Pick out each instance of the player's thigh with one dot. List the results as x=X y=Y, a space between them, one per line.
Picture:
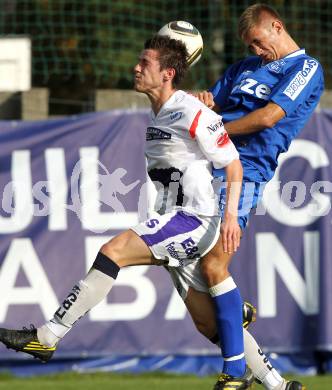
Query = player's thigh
x=202 y=311
x=128 y=248
x=191 y=286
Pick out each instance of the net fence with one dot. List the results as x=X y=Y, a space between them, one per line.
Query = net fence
x=95 y=43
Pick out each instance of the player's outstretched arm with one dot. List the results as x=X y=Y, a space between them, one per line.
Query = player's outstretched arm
x=257 y=120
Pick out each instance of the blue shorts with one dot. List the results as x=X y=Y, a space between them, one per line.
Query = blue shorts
x=251 y=194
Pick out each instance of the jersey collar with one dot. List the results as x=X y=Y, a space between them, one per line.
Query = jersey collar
x=177 y=95
x=296 y=53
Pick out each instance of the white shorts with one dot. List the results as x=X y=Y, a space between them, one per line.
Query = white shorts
x=179 y=237
x=188 y=276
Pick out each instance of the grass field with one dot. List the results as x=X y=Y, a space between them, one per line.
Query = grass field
x=132 y=382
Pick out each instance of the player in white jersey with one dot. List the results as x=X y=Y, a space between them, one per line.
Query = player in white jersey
x=181 y=141
x=184 y=230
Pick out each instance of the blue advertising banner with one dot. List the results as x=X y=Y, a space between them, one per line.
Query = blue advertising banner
x=70 y=184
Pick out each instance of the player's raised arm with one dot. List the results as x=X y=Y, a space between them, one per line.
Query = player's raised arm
x=257 y=120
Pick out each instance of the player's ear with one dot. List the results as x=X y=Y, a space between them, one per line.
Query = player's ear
x=278 y=25
x=169 y=74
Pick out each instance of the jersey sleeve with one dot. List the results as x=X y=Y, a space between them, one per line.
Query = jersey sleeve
x=208 y=130
x=300 y=84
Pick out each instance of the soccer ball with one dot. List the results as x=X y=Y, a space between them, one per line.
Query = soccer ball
x=189 y=35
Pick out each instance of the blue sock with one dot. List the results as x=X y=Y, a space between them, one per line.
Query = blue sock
x=228 y=304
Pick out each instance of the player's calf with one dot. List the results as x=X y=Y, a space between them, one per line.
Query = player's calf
x=248 y=317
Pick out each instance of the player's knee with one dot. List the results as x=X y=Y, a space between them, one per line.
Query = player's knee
x=113 y=249
x=214 y=271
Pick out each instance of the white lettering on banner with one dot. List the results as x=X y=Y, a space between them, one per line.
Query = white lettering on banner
x=53 y=206
x=41 y=209
x=57 y=187
x=51 y=195
x=131 y=277
x=320 y=204
x=272 y=258
x=298 y=188
x=17 y=195
x=21 y=255
x=176 y=309
x=92 y=218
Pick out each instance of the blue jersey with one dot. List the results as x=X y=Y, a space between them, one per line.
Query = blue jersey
x=294 y=82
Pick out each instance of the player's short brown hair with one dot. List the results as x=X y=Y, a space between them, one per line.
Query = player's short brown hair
x=172 y=54
x=253 y=15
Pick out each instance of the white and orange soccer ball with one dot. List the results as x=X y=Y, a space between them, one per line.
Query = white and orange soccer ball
x=189 y=35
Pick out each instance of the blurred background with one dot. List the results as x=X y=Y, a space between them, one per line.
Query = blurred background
x=66 y=102
x=79 y=47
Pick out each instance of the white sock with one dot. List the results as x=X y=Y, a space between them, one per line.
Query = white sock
x=46 y=336
x=273 y=380
x=259 y=364
x=83 y=297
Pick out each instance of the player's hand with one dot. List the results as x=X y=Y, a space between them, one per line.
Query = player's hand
x=230 y=234
x=205 y=97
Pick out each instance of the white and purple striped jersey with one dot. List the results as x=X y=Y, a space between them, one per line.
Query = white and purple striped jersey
x=182 y=141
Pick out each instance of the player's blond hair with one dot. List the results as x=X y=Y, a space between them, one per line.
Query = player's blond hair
x=253 y=15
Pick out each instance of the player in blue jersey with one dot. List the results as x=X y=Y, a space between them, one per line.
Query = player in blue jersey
x=264 y=100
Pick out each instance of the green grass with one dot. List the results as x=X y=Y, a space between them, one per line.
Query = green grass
x=135 y=382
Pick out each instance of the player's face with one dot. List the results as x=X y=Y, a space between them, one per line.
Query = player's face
x=264 y=41
x=148 y=75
